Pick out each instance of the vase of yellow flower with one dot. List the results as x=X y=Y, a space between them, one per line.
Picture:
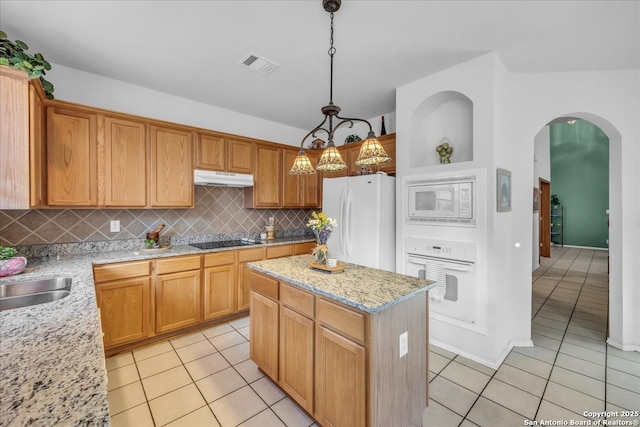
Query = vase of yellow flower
x=322 y=226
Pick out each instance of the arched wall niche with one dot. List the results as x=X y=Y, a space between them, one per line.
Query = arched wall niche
x=447 y=114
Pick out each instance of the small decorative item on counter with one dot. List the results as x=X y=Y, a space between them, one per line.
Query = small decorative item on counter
x=155 y=235
x=444 y=150
x=352 y=138
x=149 y=243
x=10 y=264
x=322 y=226
x=270 y=228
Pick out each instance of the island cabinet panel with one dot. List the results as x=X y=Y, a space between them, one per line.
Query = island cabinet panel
x=171 y=167
x=71 y=158
x=211 y=152
x=263 y=343
x=244 y=274
x=296 y=357
x=125 y=158
x=346 y=321
x=341 y=389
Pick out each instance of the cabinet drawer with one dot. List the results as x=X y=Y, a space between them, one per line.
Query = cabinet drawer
x=303 y=248
x=279 y=251
x=264 y=285
x=254 y=254
x=341 y=319
x=297 y=299
x=173 y=265
x=222 y=258
x=109 y=272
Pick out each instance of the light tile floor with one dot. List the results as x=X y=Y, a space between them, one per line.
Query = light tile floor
x=206 y=378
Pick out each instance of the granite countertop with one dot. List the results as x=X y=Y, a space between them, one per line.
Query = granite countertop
x=52 y=366
x=368 y=289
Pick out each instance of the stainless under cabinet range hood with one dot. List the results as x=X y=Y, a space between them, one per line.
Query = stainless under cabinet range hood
x=222 y=179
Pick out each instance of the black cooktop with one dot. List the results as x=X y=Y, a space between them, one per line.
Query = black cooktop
x=224 y=244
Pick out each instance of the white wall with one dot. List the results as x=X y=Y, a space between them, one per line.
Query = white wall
x=96 y=91
x=611 y=101
x=509 y=111
x=541 y=169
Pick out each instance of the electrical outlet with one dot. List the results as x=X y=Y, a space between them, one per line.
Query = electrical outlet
x=404 y=343
x=114 y=226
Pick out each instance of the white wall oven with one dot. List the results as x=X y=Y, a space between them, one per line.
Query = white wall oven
x=453 y=266
x=445 y=200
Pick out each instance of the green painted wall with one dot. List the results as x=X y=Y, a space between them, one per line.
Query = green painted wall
x=580 y=178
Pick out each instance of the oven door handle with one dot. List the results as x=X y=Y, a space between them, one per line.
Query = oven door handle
x=447 y=265
x=462 y=269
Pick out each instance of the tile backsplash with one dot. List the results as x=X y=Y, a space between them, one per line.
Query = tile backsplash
x=218 y=210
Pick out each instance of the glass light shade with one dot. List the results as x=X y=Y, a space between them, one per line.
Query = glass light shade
x=302 y=165
x=372 y=153
x=331 y=160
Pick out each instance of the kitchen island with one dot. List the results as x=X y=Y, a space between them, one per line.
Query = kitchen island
x=52 y=366
x=350 y=348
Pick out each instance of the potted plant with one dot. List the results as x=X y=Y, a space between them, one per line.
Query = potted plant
x=11 y=264
x=15 y=55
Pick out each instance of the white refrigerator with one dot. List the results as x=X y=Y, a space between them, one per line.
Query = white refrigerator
x=364 y=207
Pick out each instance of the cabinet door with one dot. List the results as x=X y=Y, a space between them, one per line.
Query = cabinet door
x=219 y=291
x=125 y=158
x=177 y=300
x=171 y=167
x=267 y=176
x=340 y=380
x=240 y=155
x=292 y=185
x=124 y=310
x=296 y=357
x=263 y=343
x=244 y=274
x=37 y=152
x=312 y=184
x=211 y=152
x=71 y=158
x=388 y=142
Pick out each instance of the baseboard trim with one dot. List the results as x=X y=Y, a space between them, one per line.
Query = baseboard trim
x=623 y=347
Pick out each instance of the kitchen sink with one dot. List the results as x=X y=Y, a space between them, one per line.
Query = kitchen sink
x=32 y=292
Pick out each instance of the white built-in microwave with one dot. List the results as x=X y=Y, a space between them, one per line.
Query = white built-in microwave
x=441 y=201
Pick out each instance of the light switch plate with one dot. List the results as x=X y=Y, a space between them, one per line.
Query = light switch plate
x=114 y=226
x=404 y=343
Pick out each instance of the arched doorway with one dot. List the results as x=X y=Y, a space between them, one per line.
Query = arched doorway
x=616 y=308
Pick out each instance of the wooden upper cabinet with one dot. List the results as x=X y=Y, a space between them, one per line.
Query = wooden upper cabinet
x=71 y=158
x=171 y=167
x=312 y=183
x=265 y=192
x=21 y=143
x=37 y=151
x=292 y=185
x=388 y=142
x=240 y=153
x=211 y=152
x=125 y=159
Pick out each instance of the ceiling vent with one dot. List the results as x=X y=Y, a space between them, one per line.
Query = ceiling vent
x=258 y=63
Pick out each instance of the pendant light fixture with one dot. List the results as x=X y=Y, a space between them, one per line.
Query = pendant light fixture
x=371 y=151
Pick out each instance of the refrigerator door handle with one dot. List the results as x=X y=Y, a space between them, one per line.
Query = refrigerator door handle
x=348 y=223
x=341 y=220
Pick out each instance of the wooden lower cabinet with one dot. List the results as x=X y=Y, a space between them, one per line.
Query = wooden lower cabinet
x=244 y=274
x=177 y=300
x=264 y=333
x=220 y=290
x=296 y=357
x=123 y=294
x=340 y=380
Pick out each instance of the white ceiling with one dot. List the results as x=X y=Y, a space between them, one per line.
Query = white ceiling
x=192 y=48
